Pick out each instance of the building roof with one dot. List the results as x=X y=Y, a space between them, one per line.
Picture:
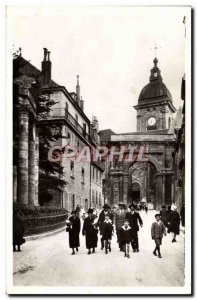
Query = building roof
x=25 y=67
x=152 y=132
x=155 y=89
x=30 y=70
x=142 y=137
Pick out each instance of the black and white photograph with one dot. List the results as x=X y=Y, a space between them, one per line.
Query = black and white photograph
x=99 y=187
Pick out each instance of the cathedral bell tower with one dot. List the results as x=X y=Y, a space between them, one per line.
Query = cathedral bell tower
x=155 y=108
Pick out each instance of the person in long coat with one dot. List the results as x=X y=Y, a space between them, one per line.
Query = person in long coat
x=174 y=223
x=104 y=212
x=119 y=218
x=90 y=231
x=18 y=232
x=73 y=228
x=164 y=215
x=183 y=215
x=157 y=231
x=134 y=218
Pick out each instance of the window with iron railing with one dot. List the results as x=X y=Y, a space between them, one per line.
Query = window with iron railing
x=63 y=113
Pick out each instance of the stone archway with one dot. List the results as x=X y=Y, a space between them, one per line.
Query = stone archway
x=144 y=174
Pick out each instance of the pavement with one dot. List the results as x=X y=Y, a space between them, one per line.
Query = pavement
x=48 y=262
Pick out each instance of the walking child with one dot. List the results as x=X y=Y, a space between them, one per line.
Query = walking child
x=157 y=232
x=126 y=236
x=104 y=212
x=107 y=229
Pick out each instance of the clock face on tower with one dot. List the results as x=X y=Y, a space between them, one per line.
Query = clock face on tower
x=151 y=121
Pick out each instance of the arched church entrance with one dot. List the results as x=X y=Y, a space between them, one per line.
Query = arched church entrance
x=142 y=183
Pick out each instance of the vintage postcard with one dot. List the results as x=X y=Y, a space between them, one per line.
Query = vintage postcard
x=99 y=109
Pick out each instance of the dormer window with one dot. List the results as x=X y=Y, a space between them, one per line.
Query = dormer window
x=155 y=74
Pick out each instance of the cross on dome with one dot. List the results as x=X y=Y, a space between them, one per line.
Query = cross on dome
x=156 y=48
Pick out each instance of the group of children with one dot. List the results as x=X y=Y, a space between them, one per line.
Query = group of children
x=90 y=231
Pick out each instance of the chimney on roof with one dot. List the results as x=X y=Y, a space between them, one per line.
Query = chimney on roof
x=78 y=90
x=82 y=104
x=46 y=69
x=95 y=123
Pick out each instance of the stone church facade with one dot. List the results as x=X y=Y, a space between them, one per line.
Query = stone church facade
x=152 y=178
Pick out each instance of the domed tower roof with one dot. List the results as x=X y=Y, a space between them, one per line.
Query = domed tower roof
x=155 y=89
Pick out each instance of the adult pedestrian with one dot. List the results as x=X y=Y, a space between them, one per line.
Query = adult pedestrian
x=78 y=210
x=169 y=210
x=90 y=231
x=119 y=218
x=18 y=231
x=104 y=212
x=73 y=228
x=134 y=222
x=174 y=223
x=164 y=215
x=183 y=215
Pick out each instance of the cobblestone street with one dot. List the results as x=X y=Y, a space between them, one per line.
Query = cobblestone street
x=48 y=262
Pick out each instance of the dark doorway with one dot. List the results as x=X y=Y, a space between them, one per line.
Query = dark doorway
x=135 y=193
x=136 y=196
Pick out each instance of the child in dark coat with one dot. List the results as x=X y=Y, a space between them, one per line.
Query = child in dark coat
x=157 y=231
x=126 y=236
x=73 y=228
x=107 y=229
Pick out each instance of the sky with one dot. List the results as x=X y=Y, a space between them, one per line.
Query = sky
x=110 y=48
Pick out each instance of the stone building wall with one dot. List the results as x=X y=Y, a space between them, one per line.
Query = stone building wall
x=96 y=187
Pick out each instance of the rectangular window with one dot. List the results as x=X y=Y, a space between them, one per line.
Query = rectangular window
x=84 y=129
x=83 y=175
x=76 y=119
x=66 y=110
x=72 y=166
